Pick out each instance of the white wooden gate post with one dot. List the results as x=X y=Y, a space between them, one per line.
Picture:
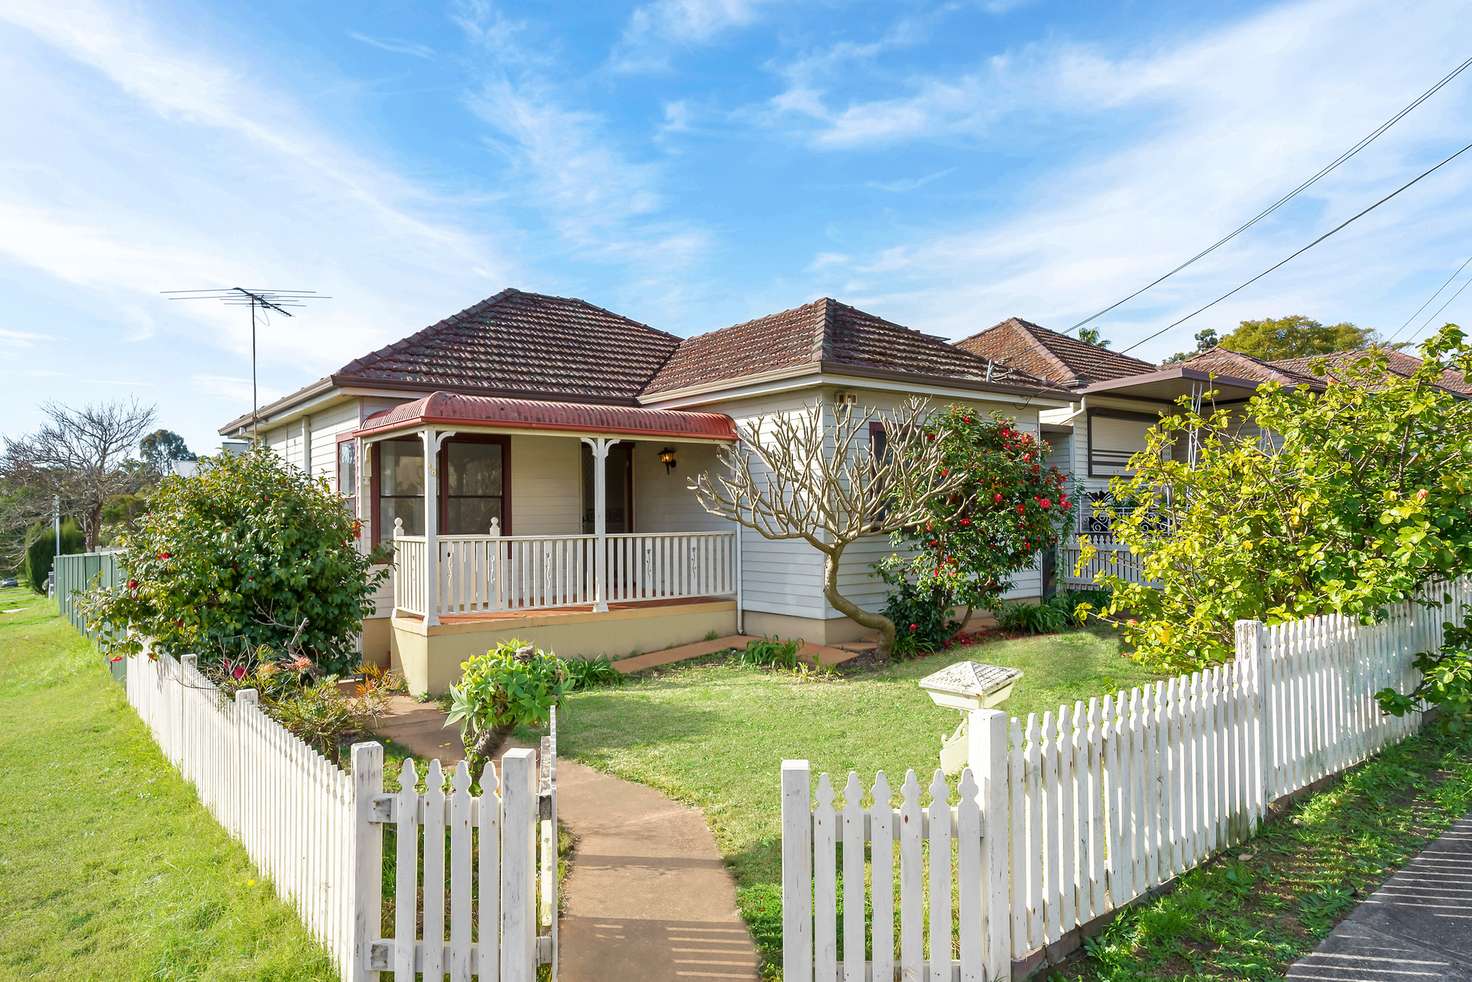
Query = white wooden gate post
x=797 y=872
x=367 y=853
x=1252 y=651
x=599 y=446
x=518 y=866
x=986 y=755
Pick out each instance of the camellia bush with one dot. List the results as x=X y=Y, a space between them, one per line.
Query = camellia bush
x=249 y=555
x=1009 y=507
x=1343 y=501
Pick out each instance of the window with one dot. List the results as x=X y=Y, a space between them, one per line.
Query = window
x=400 y=487
x=347 y=475
x=473 y=485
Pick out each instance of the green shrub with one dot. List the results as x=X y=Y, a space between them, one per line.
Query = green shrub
x=249 y=553
x=1076 y=605
x=591 y=673
x=771 y=653
x=1445 y=682
x=509 y=686
x=921 y=615
x=41 y=550
x=1028 y=618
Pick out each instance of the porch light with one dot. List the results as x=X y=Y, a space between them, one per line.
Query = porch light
x=667 y=458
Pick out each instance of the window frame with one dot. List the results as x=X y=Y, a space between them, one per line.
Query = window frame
x=381 y=535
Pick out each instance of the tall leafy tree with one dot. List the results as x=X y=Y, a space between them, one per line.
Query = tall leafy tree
x=1295 y=336
x=1092 y=335
x=1205 y=340
x=161 y=448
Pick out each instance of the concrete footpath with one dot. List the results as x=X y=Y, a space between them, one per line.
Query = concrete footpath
x=648 y=897
x=1416 y=928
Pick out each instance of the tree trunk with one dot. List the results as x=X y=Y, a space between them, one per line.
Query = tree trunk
x=92 y=528
x=851 y=610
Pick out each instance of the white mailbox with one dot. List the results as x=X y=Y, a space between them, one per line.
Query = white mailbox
x=967 y=686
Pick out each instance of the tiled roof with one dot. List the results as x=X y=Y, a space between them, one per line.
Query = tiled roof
x=829 y=336
x=454 y=407
x=1060 y=359
x=1398 y=362
x=1234 y=364
x=517 y=343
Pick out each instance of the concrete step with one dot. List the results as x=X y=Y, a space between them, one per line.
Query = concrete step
x=680 y=652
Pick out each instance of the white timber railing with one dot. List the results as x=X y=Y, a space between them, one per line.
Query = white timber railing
x=524 y=572
x=318 y=833
x=1108 y=558
x=671 y=565
x=1096 y=804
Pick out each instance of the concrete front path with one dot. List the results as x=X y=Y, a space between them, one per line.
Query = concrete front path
x=1416 y=928
x=648 y=898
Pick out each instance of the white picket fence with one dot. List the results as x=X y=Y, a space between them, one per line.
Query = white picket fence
x=318 y=834
x=1108 y=558
x=1092 y=806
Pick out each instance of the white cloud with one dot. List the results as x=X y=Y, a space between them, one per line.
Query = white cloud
x=395 y=46
x=657 y=27
x=11 y=338
x=213 y=176
x=1223 y=140
x=903 y=185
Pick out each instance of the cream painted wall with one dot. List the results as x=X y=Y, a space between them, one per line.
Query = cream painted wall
x=546 y=485
x=662 y=502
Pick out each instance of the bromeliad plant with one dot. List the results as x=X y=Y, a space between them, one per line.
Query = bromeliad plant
x=1008 y=507
x=510 y=686
x=249 y=553
x=1342 y=501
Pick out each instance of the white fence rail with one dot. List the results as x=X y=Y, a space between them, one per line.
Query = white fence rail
x=1100 y=802
x=518 y=572
x=318 y=834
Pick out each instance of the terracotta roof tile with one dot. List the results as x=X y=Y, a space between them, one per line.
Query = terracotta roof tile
x=519 y=343
x=1398 y=362
x=1056 y=357
x=830 y=336
x=1234 y=364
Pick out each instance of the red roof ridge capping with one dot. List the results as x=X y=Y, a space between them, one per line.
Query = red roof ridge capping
x=451 y=408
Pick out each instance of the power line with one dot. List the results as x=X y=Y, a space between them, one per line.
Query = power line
x=1346 y=155
x=1444 y=306
x=1428 y=302
x=1283 y=262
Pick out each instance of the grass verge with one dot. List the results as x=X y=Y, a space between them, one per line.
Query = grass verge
x=1252 y=912
x=714 y=734
x=109 y=866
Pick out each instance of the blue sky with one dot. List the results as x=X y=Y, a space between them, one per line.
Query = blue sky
x=692 y=163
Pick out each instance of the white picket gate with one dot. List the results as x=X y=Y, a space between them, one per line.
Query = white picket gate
x=1094 y=805
x=318 y=834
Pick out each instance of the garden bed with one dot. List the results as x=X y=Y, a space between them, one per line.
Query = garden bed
x=714 y=733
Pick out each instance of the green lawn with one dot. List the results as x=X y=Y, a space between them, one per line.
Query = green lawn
x=714 y=735
x=109 y=866
x=1251 y=913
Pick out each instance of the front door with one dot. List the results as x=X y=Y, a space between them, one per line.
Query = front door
x=619 y=504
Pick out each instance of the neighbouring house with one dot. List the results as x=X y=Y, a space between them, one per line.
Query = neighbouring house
x=1115 y=399
x=527 y=460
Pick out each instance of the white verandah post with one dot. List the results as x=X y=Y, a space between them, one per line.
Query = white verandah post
x=599 y=446
x=432 y=442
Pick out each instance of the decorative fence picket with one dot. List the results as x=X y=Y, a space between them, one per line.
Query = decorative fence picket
x=1100 y=802
x=318 y=833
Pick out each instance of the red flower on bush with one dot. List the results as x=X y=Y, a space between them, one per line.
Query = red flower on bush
x=132 y=584
x=997 y=497
x=1045 y=503
x=238 y=672
x=1020 y=508
x=914 y=627
x=164 y=555
x=965 y=521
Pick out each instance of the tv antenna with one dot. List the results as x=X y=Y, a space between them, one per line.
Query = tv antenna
x=255 y=299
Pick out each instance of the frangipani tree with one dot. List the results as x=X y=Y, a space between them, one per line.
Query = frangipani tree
x=829 y=475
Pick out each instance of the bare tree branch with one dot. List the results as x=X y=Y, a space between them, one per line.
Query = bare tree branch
x=813 y=475
x=80 y=455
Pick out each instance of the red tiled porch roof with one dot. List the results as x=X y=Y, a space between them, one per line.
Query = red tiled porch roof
x=451 y=408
